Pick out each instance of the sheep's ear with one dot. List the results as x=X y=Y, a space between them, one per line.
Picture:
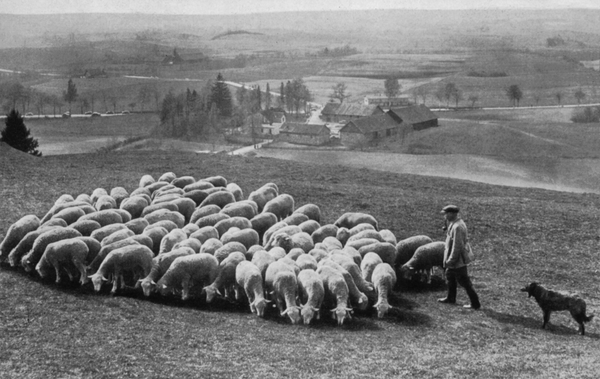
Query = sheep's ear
x=267 y=301
x=153 y=282
x=284 y=312
x=315 y=309
x=90 y=276
x=103 y=278
x=218 y=292
x=164 y=286
x=360 y=301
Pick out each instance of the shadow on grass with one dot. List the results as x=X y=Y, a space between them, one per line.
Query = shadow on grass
x=417 y=286
x=534 y=323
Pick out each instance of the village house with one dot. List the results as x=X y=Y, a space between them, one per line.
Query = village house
x=341 y=113
x=304 y=134
x=94 y=73
x=368 y=129
x=386 y=102
x=272 y=121
x=419 y=117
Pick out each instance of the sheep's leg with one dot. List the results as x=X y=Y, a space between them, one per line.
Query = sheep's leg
x=82 y=271
x=185 y=288
x=429 y=273
x=57 y=271
x=115 y=281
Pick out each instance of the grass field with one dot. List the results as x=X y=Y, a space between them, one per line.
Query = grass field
x=521 y=235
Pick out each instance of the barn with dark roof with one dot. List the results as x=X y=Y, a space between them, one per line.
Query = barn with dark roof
x=418 y=116
x=368 y=129
x=304 y=134
x=335 y=112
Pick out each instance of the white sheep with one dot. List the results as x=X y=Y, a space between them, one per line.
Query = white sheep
x=237 y=192
x=190 y=228
x=368 y=264
x=166 y=224
x=268 y=234
x=237 y=222
x=104 y=217
x=211 y=220
x=204 y=211
x=16 y=232
x=306 y=261
x=367 y=233
x=356 y=296
x=105 y=202
x=281 y=283
x=132 y=258
x=85 y=227
x=262 y=259
x=70 y=215
x=247 y=237
x=351 y=219
x=135 y=205
x=137 y=225
x=277 y=253
x=336 y=292
x=197 y=196
x=64 y=255
x=311 y=210
x=141 y=191
x=164 y=214
x=105 y=231
x=263 y=195
x=331 y=244
x=186 y=207
x=357 y=244
x=192 y=243
x=160 y=265
x=297 y=240
x=183 y=181
x=152 y=187
x=318 y=254
x=199 y=185
x=205 y=233
x=93 y=248
x=25 y=245
x=229 y=248
x=105 y=250
x=295 y=253
x=425 y=259
x=55 y=222
x=384 y=279
x=262 y=222
x=225 y=281
x=57 y=207
x=117 y=236
x=385 y=250
x=312 y=293
x=84 y=197
x=405 y=249
x=295 y=219
x=155 y=207
x=146 y=180
x=388 y=236
x=324 y=231
x=31 y=259
x=309 y=226
x=187 y=272
x=217 y=181
x=156 y=234
x=219 y=198
x=167 y=177
x=249 y=278
x=171 y=239
x=211 y=245
x=281 y=206
x=350 y=265
x=240 y=209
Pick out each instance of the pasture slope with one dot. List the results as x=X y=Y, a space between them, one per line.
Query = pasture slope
x=520 y=235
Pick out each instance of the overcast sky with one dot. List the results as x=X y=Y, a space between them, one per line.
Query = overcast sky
x=254 y=6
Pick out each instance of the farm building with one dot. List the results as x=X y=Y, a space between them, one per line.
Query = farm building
x=273 y=116
x=368 y=129
x=94 y=73
x=334 y=112
x=304 y=134
x=387 y=102
x=419 y=116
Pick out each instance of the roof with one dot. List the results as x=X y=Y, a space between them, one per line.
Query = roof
x=370 y=124
x=330 y=108
x=305 y=129
x=384 y=97
x=354 y=109
x=414 y=114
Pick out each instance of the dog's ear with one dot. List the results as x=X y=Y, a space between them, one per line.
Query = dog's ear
x=532 y=287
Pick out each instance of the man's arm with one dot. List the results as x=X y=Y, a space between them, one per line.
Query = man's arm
x=459 y=237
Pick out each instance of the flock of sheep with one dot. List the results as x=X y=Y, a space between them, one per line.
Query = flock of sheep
x=176 y=234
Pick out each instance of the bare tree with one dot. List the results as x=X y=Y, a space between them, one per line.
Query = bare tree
x=392 y=87
x=339 y=92
x=579 y=95
x=473 y=99
x=514 y=94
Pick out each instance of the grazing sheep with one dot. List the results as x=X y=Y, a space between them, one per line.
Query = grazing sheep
x=360 y=228
x=105 y=202
x=388 y=236
x=146 y=180
x=262 y=222
x=323 y=232
x=154 y=207
x=132 y=258
x=156 y=186
x=211 y=220
x=237 y=192
x=332 y=243
x=281 y=206
x=167 y=177
x=137 y=225
x=97 y=193
x=135 y=205
x=84 y=197
x=224 y=283
x=70 y=215
x=167 y=198
x=189 y=229
x=65 y=254
x=237 y=222
x=171 y=239
x=374 y=234
x=197 y=196
x=106 y=249
x=220 y=198
x=384 y=279
x=406 y=248
x=141 y=191
x=125 y=216
x=349 y=265
x=385 y=250
x=192 y=243
x=186 y=207
x=342 y=235
x=295 y=253
x=352 y=253
x=356 y=296
x=201 y=212
x=252 y=250
x=183 y=181
x=156 y=234
x=263 y=195
x=227 y=249
x=309 y=226
x=164 y=214
x=25 y=245
x=166 y=224
x=425 y=259
x=187 y=272
x=117 y=236
x=368 y=264
x=351 y=219
x=277 y=253
x=281 y=282
x=199 y=185
x=160 y=265
x=268 y=234
x=217 y=181
x=86 y=207
x=357 y=244
x=318 y=254
x=105 y=231
x=262 y=259
x=31 y=259
x=93 y=248
x=312 y=211
x=85 y=227
x=336 y=292
x=240 y=209
x=205 y=233
x=306 y=261
x=247 y=237
x=248 y=277
x=298 y=240
x=312 y=293
x=104 y=217
x=166 y=192
x=55 y=222
x=295 y=219
x=16 y=232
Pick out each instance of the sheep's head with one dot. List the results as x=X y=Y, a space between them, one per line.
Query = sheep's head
x=43 y=270
x=293 y=313
x=284 y=241
x=407 y=272
x=163 y=289
x=258 y=306
x=363 y=302
x=148 y=286
x=382 y=308
x=26 y=263
x=343 y=234
x=211 y=292
x=340 y=313
x=97 y=280
x=308 y=313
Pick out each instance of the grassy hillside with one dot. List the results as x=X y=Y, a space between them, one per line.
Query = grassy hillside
x=520 y=235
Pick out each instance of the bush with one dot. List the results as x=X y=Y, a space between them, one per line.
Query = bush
x=586 y=115
x=17 y=135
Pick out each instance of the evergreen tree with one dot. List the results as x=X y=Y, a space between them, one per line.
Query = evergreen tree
x=70 y=95
x=221 y=96
x=17 y=135
x=268 y=97
x=281 y=95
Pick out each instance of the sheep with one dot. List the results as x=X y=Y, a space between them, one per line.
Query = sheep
x=135 y=205
x=211 y=220
x=217 y=181
x=249 y=278
x=238 y=222
x=262 y=222
x=349 y=265
x=384 y=279
x=295 y=253
x=84 y=197
x=85 y=227
x=301 y=240
x=318 y=254
x=156 y=234
x=25 y=245
x=309 y=226
x=31 y=259
x=105 y=231
x=141 y=191
x=189 y=229
x=312 y=211
x=125 y=216
x=281 y=206
x=186 y=207
x=332 y=243
x=187 y=271
x=197 y=196
x=385 y=250
x=153 y=187
x=166 y=224
x=368 y=264
x=352 y=253
x=252 y=250
x=351 y=219
x=165 y=190
x=295 y=219
x=342 y=235
x=306 y=261
x=201 y=212
x=228 y=248
x=263 y=195
x=86 y=207
x=132 y=258
x=205 y=233
x=93 y=248
x=55 y=222
x=336 y=292
x=425 y=259
x=183 y=181
x=96 y=193
x=405 y=249
x=137 y=225
x=154 y=207
x=16 y=232
x=388 y=236
x=105 y=250
x=105 y=202
x=64 y=254
x=360 y=228
x=192 y=243
x=104 y=217
x=273 y=229
x=167 y=198
x=324 y=231
x=357 y=244
x=164 y=214
x=198 y=185
x=356 y=296
x=277 y=253
x=240 y=209
x=220 y=198
x=116 y=236
x=70 y=215
x=365 y=234
x=247 y=237
x=237 y=192
x=171 y=239
x=211 y=245
x=167 y=177
x=312 y=293
x=262 y=260
x=225 y=280
x=160 y=265
x=288 y=230
x=146 y=180
x=281 y=282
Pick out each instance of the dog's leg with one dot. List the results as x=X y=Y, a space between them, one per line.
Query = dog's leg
x=546 y=318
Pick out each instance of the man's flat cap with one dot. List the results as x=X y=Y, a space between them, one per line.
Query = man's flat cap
x=450 y=209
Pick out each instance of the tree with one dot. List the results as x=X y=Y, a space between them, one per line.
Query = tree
x=473 y=99
x=144 y=95
x=579 y=95
x=70 y=95
x=281 y=95
x=450 y=91
x=268 y=97
x=221 y=96
x=558 y=96
x=17 y=135
x=514 y=94
x=339 y=92
x=14 y=92
x=392 y=87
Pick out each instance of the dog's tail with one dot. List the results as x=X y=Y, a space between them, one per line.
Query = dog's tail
x=588 y=318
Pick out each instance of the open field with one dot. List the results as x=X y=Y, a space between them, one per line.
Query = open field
x=521 y=235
